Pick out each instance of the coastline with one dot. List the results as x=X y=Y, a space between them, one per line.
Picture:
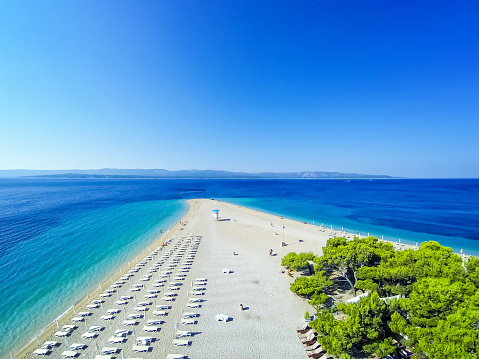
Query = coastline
x=256 y=279
x=64 y=318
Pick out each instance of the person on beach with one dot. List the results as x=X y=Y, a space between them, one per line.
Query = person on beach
x=241 y=307
x=270 y=252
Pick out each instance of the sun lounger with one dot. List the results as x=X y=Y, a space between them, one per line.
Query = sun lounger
x=130 y=322
x=140 y=348
x=143 y=304
x=168 y=299
x=307 y=338
x=175 y=356
x=104 y=357
x=49 y=344
x=69 y=328
x=109 y=350
x=61 y=334
x=69 y=354
x=93 y=306
x=144 y=340
x=135 y=289
x=190 y=315
x=107 y=317
x=116 y=340
x=195 y=300
x=141 y=309
x=163 y=307
x=188 y=321
x=183 y=333
x=193 y=305
x=201 y=279
x=96 y=328
x=41 y=351
x=154 y=322
x=89 y=335
x=121 y=302
x=315 y=346
x=303 y=329
x=113 y=311
x=151 y=328
x=84 y=314
x=181 y=342
x=121 y=333
x=77 y=346
x=135 y=316
x=222 y=318
x=105 y=295
x=315 y=355
x=159 y=313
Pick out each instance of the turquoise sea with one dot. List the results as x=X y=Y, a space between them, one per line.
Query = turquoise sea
x=60 y=238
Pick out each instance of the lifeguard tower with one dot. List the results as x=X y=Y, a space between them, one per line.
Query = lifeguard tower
x=216 y=214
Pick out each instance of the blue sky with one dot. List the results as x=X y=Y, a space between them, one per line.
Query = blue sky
x=377 y=87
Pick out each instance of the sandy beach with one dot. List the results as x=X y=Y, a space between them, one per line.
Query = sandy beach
x=201 y=247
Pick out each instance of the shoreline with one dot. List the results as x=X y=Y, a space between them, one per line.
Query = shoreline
x=62 y=319
x=248 y=234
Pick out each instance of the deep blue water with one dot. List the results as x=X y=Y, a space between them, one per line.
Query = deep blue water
x=60 y=238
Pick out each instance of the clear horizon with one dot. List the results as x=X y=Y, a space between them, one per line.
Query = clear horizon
x=352 y=87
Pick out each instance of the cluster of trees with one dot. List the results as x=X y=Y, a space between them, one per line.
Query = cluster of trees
x=437 y=313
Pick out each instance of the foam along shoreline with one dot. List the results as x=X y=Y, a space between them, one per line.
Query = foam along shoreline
x=233 y=258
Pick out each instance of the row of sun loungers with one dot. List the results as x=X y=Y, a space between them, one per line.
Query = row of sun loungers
x=309 y=339
x=142 y=344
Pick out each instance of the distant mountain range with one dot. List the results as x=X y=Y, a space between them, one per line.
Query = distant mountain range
x=183 y=174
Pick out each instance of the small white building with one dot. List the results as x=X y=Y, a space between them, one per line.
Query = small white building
x=216 y=214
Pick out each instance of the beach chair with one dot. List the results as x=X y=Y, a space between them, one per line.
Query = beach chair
x=181 y=342
x=78 y=319
x=135 y=316
x=130 y=322
x=113 y=311
x=306 y=334
x=188 y=321
x=183 y=333
x=121 y=333
x=140 y=348
x=315 y=346
x=107 y=317
x=190 y=315
x=109 y=350
x=96 y=328
x=303 y=329
x=159 y=313
x=104 y=357
x=154 y=322
x=61 y=334
x=316 y=353
x=149 y=328
x=69 y=354
x=175 y=356
x=222 y=318
x=41 y=351
x=89 y=335
x=163 y=307
x=77 y=346
x=116 y=340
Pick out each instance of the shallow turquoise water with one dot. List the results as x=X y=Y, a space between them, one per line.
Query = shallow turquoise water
x=46 y=274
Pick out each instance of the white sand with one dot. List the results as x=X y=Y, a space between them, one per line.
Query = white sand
x=265 y=329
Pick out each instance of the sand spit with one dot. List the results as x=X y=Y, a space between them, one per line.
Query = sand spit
x=233 y=255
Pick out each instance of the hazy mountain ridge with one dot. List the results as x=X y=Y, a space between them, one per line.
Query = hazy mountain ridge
x=162 y=173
